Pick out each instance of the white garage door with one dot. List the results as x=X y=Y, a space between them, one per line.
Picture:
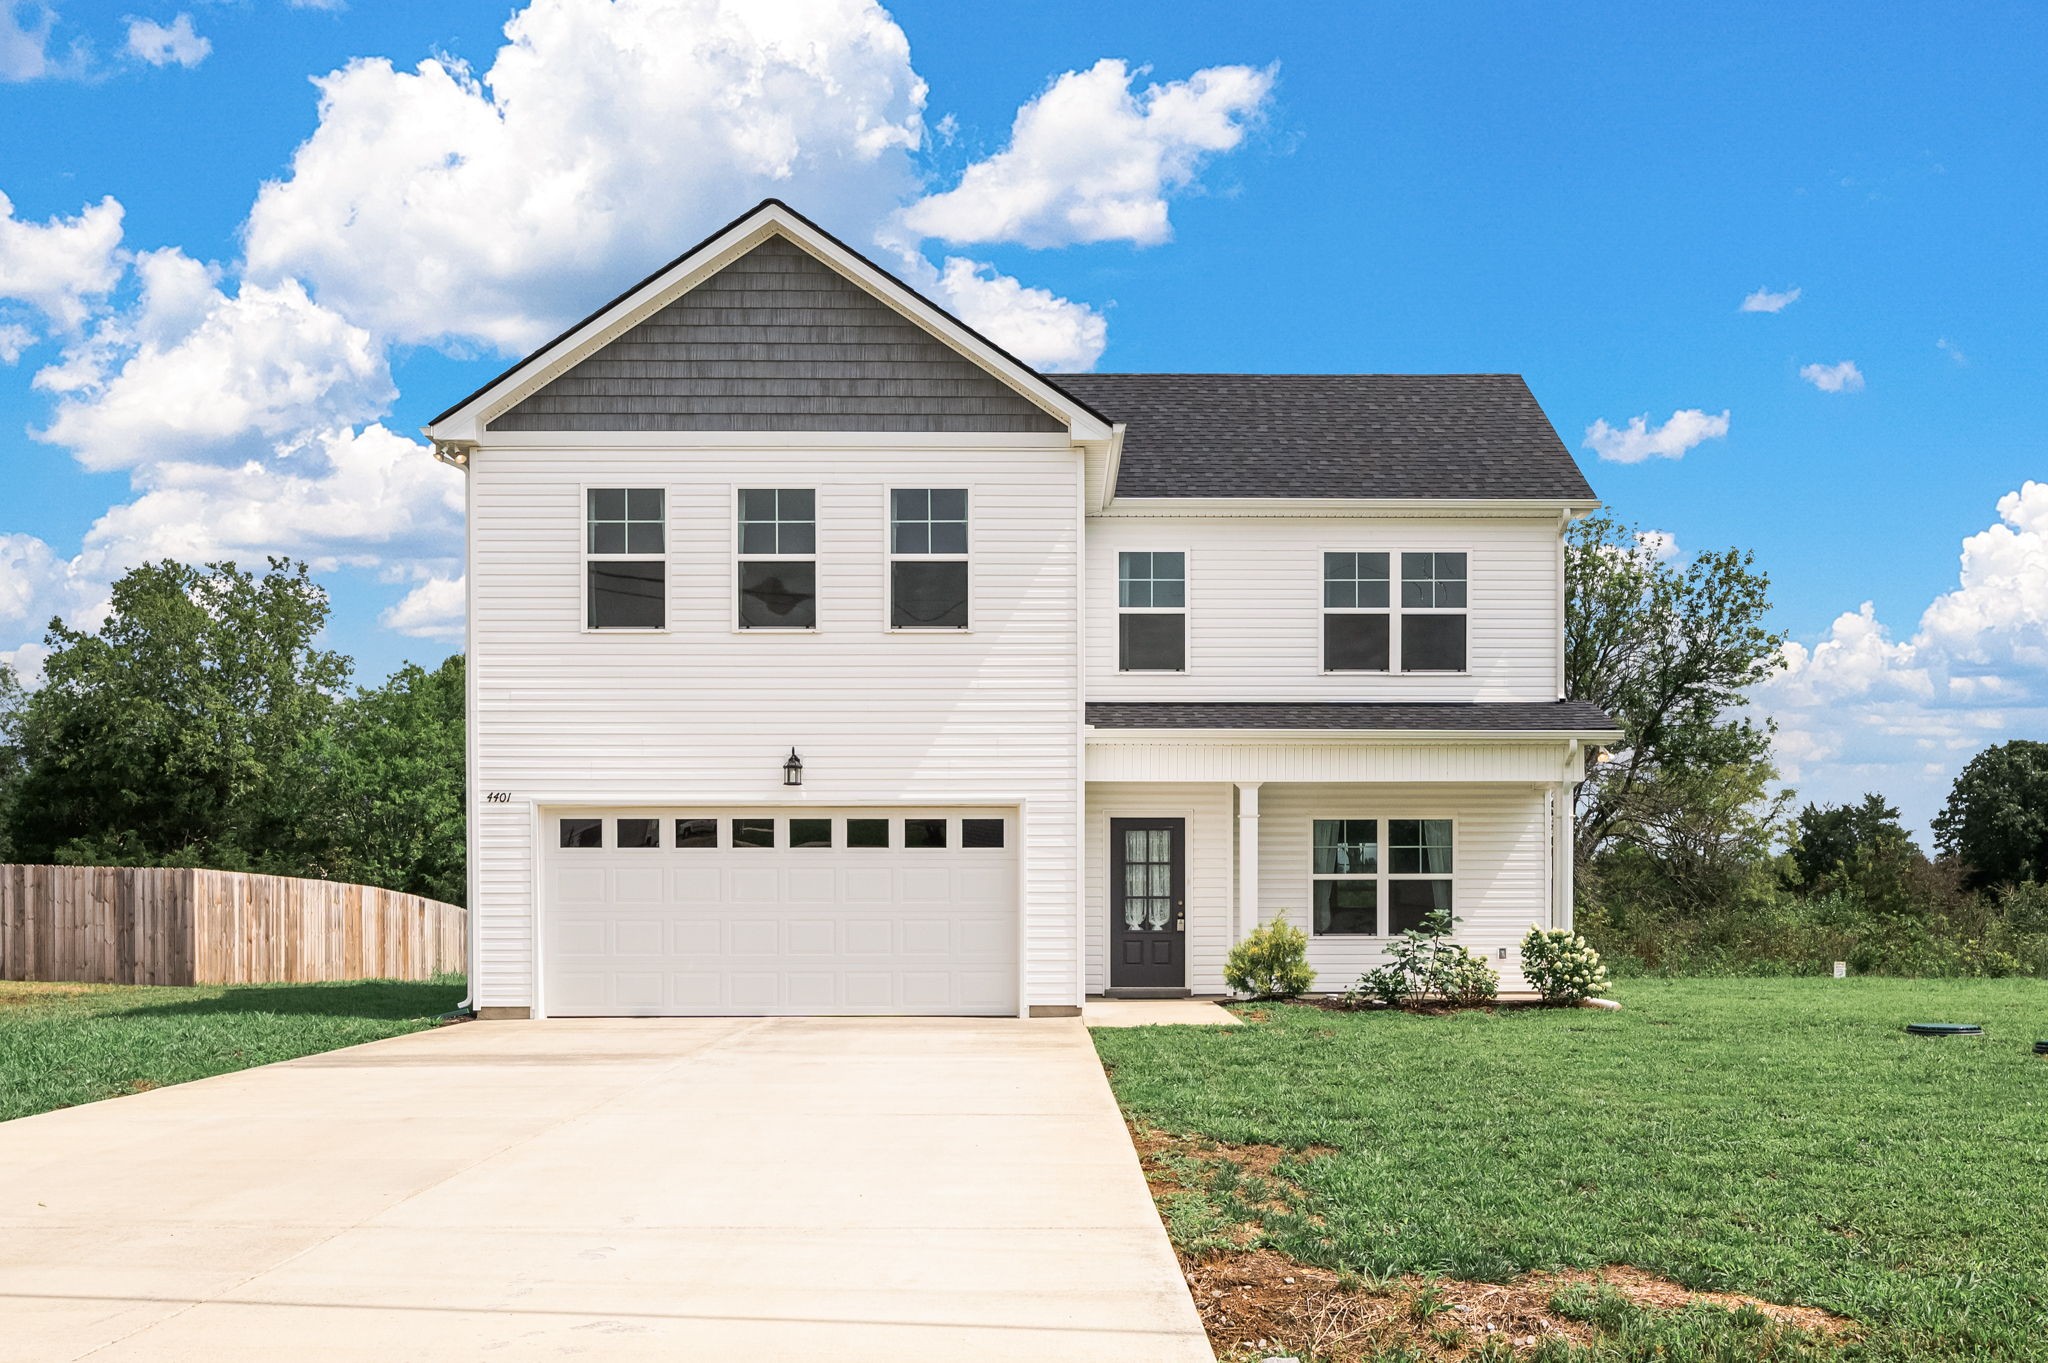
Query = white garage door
x=693 y=912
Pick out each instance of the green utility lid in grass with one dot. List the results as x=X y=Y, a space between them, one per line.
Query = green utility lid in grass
x=1944 y=1029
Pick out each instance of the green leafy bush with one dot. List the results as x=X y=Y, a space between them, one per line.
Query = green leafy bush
x=1561 y=967
x=1424 y=968
x=1270 y=963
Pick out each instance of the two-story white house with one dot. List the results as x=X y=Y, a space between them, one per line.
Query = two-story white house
x=824 y=658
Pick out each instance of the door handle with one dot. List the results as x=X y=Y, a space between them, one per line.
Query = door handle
x=1180 y=924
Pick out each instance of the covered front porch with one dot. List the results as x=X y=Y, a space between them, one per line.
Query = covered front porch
x=1352 y=834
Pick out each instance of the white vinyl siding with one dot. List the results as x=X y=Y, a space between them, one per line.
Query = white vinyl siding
x=704 y=714
x=1501 y=869
x=1258 y=632
x=1211 y=814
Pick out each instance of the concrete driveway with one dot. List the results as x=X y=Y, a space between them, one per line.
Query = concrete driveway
x=840 y=1190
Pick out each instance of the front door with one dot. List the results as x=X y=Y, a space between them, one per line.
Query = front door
x=1148 y=903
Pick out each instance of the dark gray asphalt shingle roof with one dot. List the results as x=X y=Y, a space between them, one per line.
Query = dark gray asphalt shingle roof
x=1546 y=716
x=1332 y=435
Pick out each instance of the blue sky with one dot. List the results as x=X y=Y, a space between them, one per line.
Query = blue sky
x=1584 y=194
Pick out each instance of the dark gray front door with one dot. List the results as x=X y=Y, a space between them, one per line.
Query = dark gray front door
x=1147 y=903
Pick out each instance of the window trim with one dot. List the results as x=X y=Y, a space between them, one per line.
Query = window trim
x=737 y=557
x=1382 y=876
x=890 y=556
x=668 y=503
x=1393 y=551
x=1185 y=610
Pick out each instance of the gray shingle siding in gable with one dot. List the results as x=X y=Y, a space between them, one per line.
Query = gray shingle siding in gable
x=1416 y=436
x=777 y=341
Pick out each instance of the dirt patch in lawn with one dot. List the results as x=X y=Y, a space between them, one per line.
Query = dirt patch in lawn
x=27 y=993
x=1258 y=1302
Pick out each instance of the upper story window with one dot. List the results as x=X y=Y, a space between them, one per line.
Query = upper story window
x=1357 y=619
x=625 y=558
x=778 y=558
x=928 y=566
x=1433 y=613
x=1152 y=612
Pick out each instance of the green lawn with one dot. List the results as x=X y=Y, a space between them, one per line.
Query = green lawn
x=62 y=1044
x=1781 y=1138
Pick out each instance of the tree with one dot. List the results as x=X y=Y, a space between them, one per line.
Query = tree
x=391 y=795
x=1996 y=819
x=1670 y=651
x=1829 y=839
x=177 y=733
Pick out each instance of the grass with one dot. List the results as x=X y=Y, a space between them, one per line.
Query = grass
x=62 y=1044
x=1778 y=1138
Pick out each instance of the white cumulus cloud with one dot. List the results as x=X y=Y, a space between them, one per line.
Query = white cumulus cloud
x=605 y=137
x=1862 y=708
x=1844 y=377
x=172 y=44
x=1766 y=300
x=14 y=339
x=1036 y=325
x=436 y=609
x=1092 y=159
x=26 y=28
x=256 y=370
x=1639 y=440
x=60 y=265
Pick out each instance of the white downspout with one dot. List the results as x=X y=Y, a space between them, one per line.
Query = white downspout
x=1247 y=858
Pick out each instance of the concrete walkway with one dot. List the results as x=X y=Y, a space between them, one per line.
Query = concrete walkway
x=754 y=1189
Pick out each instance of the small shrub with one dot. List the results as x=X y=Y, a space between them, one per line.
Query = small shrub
x=1561 y=967
x=1424 y=967
x=1270 y=963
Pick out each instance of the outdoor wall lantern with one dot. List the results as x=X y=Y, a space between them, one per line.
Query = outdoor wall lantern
x=793 y=770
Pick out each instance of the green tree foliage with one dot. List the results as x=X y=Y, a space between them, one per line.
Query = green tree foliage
x=1828 y=840
x=202 y=726
x=1996 y=819
x=391 y=786
x=1670 y=651
x=174 y=734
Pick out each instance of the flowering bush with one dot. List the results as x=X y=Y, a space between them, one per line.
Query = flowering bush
x=1425 y=968
x=1561 y=967
x=1270 y=963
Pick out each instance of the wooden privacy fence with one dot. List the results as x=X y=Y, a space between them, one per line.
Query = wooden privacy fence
x=172 y=925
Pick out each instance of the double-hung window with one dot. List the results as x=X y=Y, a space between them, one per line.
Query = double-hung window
x=928 y=571
x=1432 y=612
x=1357 y=617
x=625 y=558
x=1152 y=612
x=1364 y=888
x=778 y=558
x=1418 y=871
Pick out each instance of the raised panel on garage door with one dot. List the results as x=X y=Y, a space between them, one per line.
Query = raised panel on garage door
x=726 y=916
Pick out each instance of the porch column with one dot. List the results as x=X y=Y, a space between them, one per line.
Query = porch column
x=1561 y=910
x=1247 y=858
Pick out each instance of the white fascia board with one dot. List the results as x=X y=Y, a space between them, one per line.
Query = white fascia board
x=775 y=440
x=1138 y=508
x=1111 y=461
x=465 y=425
x=1360 y=736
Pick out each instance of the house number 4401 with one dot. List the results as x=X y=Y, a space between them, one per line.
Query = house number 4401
x=497 y=797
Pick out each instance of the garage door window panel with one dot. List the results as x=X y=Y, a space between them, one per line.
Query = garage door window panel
x=640 y=833
x=810 y=832
x=625 y=558
x=924 y=832
x=696 y=833
x=753 y=832
x=582 y=832
x=867 y=832
x=981 y=833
